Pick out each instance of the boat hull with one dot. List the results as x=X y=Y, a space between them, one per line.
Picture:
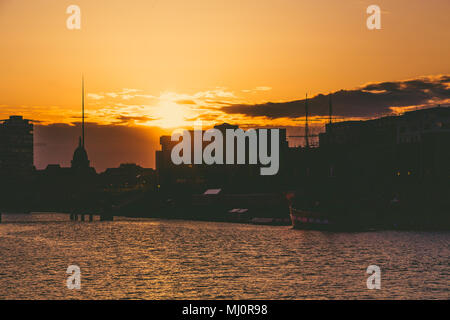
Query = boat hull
x=309 y=220
x=316 y=220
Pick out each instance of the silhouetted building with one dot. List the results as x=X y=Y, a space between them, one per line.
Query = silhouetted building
x=219 y=175
x=423 y=143
x=415 y=144
x=128 y=175
x=80 y=161
x=407 y=128
x=80 y=171
x=16 y=146
x=80 y=158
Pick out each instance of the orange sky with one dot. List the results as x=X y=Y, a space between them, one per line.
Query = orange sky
x=165 y=63
x=141 y=57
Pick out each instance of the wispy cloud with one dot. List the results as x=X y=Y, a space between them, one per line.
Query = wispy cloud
x=263 y=88
x=95 y=96
x=255 y=90
x=135 y=107
x=124 y=94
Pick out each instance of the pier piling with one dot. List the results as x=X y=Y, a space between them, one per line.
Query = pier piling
x=82 y=217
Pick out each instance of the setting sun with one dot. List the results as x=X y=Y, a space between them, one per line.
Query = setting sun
x=169 y=114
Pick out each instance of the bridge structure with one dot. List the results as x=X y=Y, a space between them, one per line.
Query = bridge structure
x=108 y=211
x=105 y=211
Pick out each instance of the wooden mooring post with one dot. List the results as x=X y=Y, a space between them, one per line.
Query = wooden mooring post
x=81 y=217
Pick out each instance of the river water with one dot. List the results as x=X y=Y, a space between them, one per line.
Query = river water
x=161 y=259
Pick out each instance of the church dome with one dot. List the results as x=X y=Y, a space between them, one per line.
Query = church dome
x=80 y=157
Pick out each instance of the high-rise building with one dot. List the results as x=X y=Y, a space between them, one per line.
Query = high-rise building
x=16 y=146
x=217 y=174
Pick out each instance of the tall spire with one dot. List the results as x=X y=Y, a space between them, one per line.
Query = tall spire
x=306 y=122
x=82 y=111
x=80 y=158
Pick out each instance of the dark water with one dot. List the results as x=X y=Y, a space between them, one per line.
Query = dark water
x=156 y=259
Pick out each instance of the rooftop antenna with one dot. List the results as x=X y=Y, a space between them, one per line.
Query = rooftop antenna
x=82 y=111
x=306 y=122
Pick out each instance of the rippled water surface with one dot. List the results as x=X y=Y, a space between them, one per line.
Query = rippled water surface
x=157 y=259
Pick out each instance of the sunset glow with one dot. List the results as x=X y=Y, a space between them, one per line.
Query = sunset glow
x=167 y=64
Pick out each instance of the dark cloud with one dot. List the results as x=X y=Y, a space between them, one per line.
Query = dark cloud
x=370 y=100
x=107 y=145
x=217 y=102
